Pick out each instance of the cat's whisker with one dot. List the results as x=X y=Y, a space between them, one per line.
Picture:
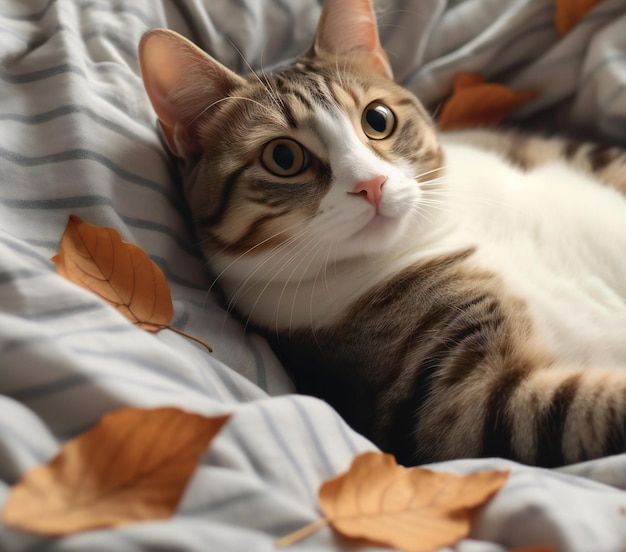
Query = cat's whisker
x=325 y=265
x=322 y=269
x=275 y=99
x=241 y=288
x=304 y=247
x=203 y=111
x=312 y=256
x=426 y=173
x=256 y=246
x=467 y=196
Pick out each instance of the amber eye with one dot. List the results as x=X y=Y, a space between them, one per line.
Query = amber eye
x=378 y=121
x=284 y=157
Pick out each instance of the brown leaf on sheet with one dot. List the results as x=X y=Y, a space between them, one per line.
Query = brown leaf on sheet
x=415 y=509
x=476 y=103
x=96 y=258
x=569 y=12
x=133 y=465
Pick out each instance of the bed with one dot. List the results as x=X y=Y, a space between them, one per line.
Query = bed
x=78 y=136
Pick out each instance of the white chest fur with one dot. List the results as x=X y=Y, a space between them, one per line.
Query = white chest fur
x=557 y=238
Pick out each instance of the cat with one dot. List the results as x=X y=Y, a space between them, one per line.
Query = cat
x=451 y=294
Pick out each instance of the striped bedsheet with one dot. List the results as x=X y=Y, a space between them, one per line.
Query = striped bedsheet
x=78 y=136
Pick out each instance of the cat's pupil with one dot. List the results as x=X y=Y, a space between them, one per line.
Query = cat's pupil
x=377 y=119
x=283 y=157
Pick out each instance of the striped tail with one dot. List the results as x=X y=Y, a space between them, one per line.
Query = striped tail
x=545 y=416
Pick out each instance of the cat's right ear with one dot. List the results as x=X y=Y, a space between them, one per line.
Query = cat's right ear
x=348 y=28
x=181 y=81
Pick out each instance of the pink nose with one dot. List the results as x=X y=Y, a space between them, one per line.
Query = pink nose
x=372 y=189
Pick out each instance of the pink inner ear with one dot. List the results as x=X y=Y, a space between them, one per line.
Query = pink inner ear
x=348 y=28
x=161 y=69
x=181 y=81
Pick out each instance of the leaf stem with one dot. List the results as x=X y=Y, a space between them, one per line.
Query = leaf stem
x=184 y=334
x=300 y=534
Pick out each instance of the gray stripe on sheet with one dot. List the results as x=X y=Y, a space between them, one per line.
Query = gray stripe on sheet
x=22 y=248
x=27 y=341
x=9 y=276
x=34 y=16
x=242 y=441
x=318 y=446
x=89 y=155
x=125 y=8
x=286 y=450
x=33 y=76
x=122 y=46
x=57 y=203
x=93 y=116
x=36 y=392
x=87 y=6
x=223 y=374
x=129 y=49
x=66 y=311
x=139 y=360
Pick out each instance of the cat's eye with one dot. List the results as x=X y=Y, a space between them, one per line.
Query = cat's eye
x=378 y=121
x=284 y=157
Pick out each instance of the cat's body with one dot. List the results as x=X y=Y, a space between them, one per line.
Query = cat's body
x=451 y=296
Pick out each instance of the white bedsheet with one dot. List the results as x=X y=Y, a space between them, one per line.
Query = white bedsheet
x=77 y=136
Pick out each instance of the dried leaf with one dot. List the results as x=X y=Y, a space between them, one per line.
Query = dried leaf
x=569 y=12
x=97 y=259
x=475 y=102
x=416 y=509
x=133 y=465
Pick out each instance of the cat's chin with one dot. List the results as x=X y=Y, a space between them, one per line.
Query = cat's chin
x=379 y=232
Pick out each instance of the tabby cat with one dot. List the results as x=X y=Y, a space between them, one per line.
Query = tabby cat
x=451 y=295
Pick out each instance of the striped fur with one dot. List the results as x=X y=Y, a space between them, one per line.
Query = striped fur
x=476 y=309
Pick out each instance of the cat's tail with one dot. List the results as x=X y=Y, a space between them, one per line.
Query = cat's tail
x=547 y=417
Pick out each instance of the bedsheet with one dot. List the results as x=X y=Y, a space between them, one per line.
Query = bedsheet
x=78 y=136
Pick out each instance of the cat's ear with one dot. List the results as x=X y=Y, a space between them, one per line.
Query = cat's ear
x=348 y=28
x=181 y=81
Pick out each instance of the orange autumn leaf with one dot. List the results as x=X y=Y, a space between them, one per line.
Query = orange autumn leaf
x=415 y=509
x=569 y=12
x=133 y=465
x=475 y=102
x=96 y=258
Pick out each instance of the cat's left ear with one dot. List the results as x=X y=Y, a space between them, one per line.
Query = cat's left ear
x=182 y=81
x=348 y=28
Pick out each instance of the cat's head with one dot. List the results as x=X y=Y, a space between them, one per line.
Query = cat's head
x=325 y=154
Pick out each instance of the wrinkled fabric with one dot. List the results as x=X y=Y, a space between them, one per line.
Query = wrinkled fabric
x=78 y=136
